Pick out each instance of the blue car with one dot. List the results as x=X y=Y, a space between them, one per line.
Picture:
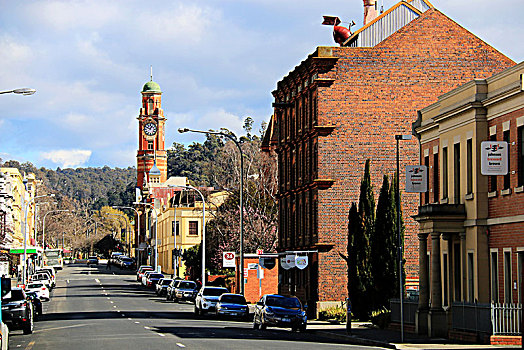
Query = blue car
x=274 y=310
x=232 y=305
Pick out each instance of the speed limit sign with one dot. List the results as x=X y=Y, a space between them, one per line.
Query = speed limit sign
x=228 y=259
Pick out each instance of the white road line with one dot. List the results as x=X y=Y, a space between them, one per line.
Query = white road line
x=108 y=298
x=146 y=327
x=97 y=280
x=112 y=302
x=180 y=345
x=67 y=281
x=123 y=315
x=137 y=322
x=162 y=335
x=114 y=306
x=129 y=318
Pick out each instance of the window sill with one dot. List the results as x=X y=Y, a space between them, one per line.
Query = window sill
x=519 y=189
x=505 y=192
x=444 y=201
x=492 y=194
x=469 y=196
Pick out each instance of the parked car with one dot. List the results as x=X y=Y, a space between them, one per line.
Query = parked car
x=185 y=290
x=279 y=311
x=141 y=270
x=39 y=288
x=92 y=260
x=161 y=286
x=17 y=311
x=50 y=271
x=152 y=279
x=113 y=257
x=170 y=291
x=37 y=303
x=127 y=263
x=232 y=305
x=41 y=277
x=207 y=299
x=145 y=276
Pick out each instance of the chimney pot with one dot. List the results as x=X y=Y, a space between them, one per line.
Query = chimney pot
x=370 y=11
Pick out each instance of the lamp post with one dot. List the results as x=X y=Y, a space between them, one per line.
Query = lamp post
x=22 y=91
x=203 y=230
x=400 y=245
x=184 y=130
x=127 y=227
x=43 y=225
x=138 y=223
x=24 y=265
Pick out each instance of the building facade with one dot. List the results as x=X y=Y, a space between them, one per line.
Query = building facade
x=343 y=105
x=471 y=225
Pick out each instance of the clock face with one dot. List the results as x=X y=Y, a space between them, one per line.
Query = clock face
x=150 y=129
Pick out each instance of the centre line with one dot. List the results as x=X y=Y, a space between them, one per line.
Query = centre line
x=180 y=345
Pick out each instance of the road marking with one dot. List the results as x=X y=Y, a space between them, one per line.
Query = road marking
x=137 y=322
x=64 y=327
x=129 y=318
x=114 y=306
x=67 y=281
x=108 y=298
x=146 y=327
x=180 y=345
x=97 y=280
x=89 y=272
x=30 y=345
x=112 y=302
x=123 y=315
x=162 y=335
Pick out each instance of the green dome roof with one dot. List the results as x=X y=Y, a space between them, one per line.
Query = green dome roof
x=151 y=86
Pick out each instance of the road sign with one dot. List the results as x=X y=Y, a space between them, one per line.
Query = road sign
x=260 y=251
x=252 y=266
x=228 y=259
x=494 y=158
x=416 y=178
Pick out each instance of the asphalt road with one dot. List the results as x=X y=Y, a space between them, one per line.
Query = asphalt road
x=93 y=308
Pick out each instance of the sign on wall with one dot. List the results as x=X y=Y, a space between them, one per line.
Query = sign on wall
x=301 y=261
x=494 y=158
x=228 y=259
x=283 y=263
x=416 y=178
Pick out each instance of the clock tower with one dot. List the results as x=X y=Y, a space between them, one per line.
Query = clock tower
x=151 y=136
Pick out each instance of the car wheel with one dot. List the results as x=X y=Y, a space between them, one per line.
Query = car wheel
x=28 y=326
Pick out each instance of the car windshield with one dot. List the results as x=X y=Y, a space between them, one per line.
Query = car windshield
x=92 y=257
x=35 y=285
x=166 y=282
x=233 y=299
x=187 y=285
x=127 y=260
x=214 y=292
x=155 y=275
x=288 y=303
x=16 y=294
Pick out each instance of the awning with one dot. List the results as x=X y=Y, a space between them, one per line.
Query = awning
x=29 y=250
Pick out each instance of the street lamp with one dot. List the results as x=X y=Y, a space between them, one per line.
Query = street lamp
x=138 y=223
x=24 y=265
x=184 y=130
x=22 y=91
x=203 y=230
x=400 y=245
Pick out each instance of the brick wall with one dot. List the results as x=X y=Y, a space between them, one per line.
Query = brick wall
x=269 y=282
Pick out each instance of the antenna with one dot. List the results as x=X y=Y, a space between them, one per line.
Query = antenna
x=151 y=72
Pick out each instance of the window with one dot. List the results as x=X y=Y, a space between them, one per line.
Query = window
x=445 y=172
x=507 y=176
x=493 y=178
x=150 y=145
x=193 y=228
x=469 y=150
x=457 y=272
x=507 y=277
x=520 y=151
x=494 y=277
x=426 y=194
x=456 y=172
x=176 y=228
x=471 y=279
x=519 y=273
x=435 y=179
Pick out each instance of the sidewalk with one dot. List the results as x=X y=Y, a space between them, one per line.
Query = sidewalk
x=366 y=334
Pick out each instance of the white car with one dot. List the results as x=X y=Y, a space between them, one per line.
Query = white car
x=207 y=298
x=39 y=288
x=42 y=278
x=51 y=272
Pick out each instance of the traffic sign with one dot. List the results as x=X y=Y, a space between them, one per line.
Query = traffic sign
x=260 y=251
x=228 y=259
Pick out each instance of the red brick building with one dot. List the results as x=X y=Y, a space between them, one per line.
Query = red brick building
x=343 y=105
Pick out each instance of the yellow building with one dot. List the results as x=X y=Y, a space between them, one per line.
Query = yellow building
x=180 y=226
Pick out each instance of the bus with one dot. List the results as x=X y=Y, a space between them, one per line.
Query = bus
x=54 y=258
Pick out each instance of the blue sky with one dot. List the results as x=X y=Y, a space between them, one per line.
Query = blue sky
x=216 y=62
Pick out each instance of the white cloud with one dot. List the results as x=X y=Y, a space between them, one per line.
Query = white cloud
x=68 y=158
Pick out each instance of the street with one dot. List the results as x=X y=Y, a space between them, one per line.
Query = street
x=95 y=308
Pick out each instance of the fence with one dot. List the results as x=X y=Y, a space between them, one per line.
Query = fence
x=506 y=318
x=471 y=317
x=409 y=310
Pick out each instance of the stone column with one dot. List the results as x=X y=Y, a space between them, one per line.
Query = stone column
x=421 y=316
x=437 y=321
x=463 y=266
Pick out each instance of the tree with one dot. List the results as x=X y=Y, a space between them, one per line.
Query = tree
x=396 y=197
x=192 y=258
x=384 y=248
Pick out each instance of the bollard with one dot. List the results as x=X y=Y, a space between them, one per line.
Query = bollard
x=348 y=316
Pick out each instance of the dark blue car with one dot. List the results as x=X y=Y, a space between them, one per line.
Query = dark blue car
x=274 y=310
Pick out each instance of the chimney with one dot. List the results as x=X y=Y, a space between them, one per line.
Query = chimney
x=370 y=11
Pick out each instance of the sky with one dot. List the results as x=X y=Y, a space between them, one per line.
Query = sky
x=217 y=62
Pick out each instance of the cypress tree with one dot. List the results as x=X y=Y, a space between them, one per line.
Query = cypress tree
x=351 y=260
x=396 y=196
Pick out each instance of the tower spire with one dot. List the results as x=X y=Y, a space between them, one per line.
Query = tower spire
x=151 y=72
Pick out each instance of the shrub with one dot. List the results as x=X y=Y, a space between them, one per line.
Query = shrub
x=333 y=313
x=381 y=318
